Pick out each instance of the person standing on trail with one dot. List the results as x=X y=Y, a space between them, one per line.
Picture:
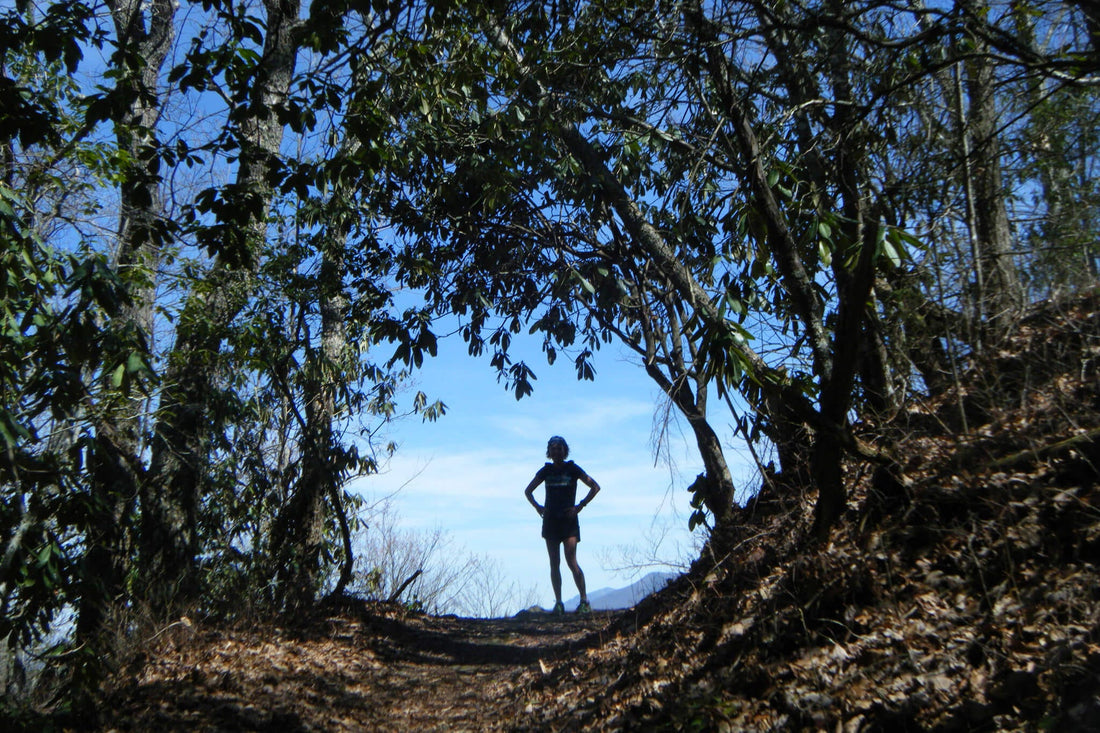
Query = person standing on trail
x=559 y=516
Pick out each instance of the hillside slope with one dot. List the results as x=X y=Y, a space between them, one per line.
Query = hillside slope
x=961 y=593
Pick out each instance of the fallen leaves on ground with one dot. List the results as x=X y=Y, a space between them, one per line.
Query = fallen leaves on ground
x=960 y=593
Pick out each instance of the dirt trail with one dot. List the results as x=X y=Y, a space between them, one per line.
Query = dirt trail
x=368 y=669
x=960 y=593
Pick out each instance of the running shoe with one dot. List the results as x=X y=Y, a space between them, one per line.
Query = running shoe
x=559 y=609
x=584 y=607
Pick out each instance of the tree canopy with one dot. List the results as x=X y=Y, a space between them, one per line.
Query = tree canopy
x=799 y=216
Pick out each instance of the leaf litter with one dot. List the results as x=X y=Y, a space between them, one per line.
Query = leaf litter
x=961 y=592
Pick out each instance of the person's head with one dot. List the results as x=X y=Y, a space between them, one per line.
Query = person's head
x=557 y=443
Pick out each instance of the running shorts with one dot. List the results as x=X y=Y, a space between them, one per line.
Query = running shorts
x=557 y=529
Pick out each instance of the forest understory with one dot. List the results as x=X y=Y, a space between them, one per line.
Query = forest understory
x=959 y=593
x=863 y=237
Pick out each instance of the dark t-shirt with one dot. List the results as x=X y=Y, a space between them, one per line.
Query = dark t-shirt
x=561 y=487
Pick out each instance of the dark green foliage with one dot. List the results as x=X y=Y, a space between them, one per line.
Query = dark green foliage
x=772 y=205
x=52 y=337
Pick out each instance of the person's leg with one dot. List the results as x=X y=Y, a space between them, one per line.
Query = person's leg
x=571 y=560
x=553 y=549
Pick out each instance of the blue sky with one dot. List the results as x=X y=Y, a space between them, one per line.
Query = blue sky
x=466 y=473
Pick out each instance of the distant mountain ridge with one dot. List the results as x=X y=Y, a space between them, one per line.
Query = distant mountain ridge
x=612 y=599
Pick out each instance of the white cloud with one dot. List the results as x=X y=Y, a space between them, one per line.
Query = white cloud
x=466 y=473
x=477 y=497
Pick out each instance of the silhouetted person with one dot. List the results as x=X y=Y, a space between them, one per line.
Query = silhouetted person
x=559 y=515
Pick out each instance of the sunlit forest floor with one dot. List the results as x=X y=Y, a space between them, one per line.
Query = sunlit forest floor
x=960 y=593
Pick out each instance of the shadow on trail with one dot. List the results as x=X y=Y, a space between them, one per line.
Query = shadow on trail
x=482 y=641
x=450 y=640
x=353 y=665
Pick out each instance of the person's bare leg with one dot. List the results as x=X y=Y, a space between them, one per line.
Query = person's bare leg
x=571 y=560
x=552 y=548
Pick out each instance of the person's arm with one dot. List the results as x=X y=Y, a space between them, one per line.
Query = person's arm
x=593 y=489
x=529 y=492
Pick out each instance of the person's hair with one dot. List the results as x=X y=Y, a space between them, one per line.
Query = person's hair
x=557 y=439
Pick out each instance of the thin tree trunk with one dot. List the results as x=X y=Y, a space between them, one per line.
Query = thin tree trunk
x=860 y=229
x=348 y=565
x=835 y=362
x=170 y=497
x=146 y=31
x=718 y=495
x=1001 y=293
x=1091 y=11
x=298 y=534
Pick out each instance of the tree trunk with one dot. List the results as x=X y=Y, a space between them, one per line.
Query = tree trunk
x=146 y=31
x=1091 y=11
x=860 y=231
x=170 y=497
x=719 y=488
x=1000 y=293
x=649 y=239
x=876 y=371
x=298 y=536
x=835 y=361
x=106 y=560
